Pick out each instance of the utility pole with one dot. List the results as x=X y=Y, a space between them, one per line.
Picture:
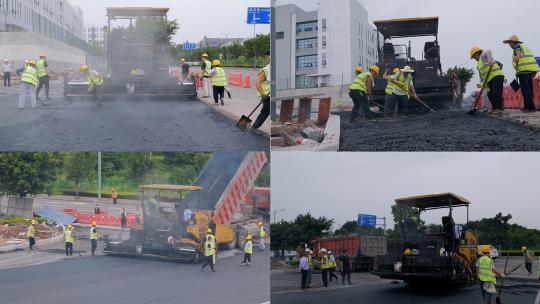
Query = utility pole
x=276 y=212
x=273 y=106
x=99 y=174
x=254 y=36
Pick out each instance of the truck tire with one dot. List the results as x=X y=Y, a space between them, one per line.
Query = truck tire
x=241 y=233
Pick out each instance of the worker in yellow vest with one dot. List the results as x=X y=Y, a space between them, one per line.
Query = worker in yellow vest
x=539 y=267
x=219 y=81
x=206 y=67
x=95 y=83
x=333 y=264
x=263 y=92
x=209 y=250
x=487 y=274
x=29 y=80
x=30 y=235
x=360 y=92
x=262 y=235
x=494 y=79
x=325 y=265
x=248 y=250
x=93 y=237
x=43 y=74
x=398 y=91
x=68 y=239
x=309 y=254
x=526 y=68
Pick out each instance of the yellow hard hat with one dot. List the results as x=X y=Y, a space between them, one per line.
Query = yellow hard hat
x=183 y=60
x=208 y=230
x=216 y=62
x=375 y=69
x=94 y=223
x=396 y=70
x=513 y=38
x=33 y=222
x=260 y=223
x=84 y=68
x=249 y=237
x=407 y=251
x=486 y=249
x=204 y=55
x=474 y=50
x=359 y=69
x=523 y=248
x=42 y=55
x=69 y=226
x=133 y=72
x=32 y=61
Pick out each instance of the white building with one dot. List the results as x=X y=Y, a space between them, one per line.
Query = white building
x=94 y=33
x=321 y=48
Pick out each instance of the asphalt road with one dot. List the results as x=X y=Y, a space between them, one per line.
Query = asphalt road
x=50 y=277
x=385 y=292
x=121 y=125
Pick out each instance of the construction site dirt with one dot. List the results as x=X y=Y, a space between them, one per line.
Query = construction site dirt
x=446 y=130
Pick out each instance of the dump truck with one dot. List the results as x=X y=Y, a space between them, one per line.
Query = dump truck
x=362 y=249
x=138 y=57
x=431 y=83
x=171 y=228
x=447 y=256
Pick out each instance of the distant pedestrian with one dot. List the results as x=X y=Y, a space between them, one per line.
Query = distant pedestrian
x=114 y=196
x=248 y=250
x=209 y=246
x=311 y=265
x=333 y=264
x=123 y=218
x=43 y=74
x=219 y=81
x=137 y=216
x=30 y=235
x=29 y=81
x=262 y=236
x=528 y=256
x=345 y=267
x=93 y=238
x=325 y=265
x=6 y=69
x=304 y=269
x=68 y=238
x=97 y=210
x=185 y=70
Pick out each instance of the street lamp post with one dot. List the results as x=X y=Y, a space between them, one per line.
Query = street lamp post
x=276 y=212
x=99 y=175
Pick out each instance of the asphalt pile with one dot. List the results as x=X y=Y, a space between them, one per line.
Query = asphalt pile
x=441 y=131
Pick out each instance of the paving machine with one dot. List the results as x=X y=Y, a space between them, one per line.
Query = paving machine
x=432 y=85
x=138 y=57
x=173 y=229
x=447 y=256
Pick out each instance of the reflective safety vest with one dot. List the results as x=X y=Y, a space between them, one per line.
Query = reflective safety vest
x=93 y=234
x=332 y=260
x=220 y=79
x=485 y=272
x=209 y=245
x=207 y=68
x=248 y=247
x=262 y=233
x=483 y=70
x=325 y=263
x=360 y=82
x=266 y=86
x=94 y=79
x=527 y=62
x=30 y=231
x=403 y=86
x=41 y=68
x=310 y=262
x=29 y=75
x=67 y=236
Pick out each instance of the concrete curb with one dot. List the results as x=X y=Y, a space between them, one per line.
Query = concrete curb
x=23 y=245
x=329 y=144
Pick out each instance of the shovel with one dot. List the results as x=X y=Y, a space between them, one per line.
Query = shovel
x=244 y=121
x=515 y=85
x=498 y=299
x=474 y=109
x=423 y=103
x=228 y=93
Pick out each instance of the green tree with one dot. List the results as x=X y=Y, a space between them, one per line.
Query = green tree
x=80 y=166
x=402 y=212
x=140 y=166
x=24 y=173
x=353 y=227
x=464 y=74
x=263 y=180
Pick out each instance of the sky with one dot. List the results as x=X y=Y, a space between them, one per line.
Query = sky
x=220 y=20
x=462 y=25
x=342 y=185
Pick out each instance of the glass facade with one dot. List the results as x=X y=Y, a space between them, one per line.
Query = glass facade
x=307 y=27
x=307 y=43
x=309 y=61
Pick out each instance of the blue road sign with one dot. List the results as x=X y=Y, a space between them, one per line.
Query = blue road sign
x=189 y=46
x=258 y=15
x=367 y=220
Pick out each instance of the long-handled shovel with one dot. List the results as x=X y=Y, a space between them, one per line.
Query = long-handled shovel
x=498 y=299
x=423 y=103
x=244 y=121
x=474 y=109
x=228 y=93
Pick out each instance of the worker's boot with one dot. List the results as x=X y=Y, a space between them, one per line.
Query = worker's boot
x=222 y=103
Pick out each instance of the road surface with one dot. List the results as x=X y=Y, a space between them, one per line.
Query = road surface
x=121 y=125
x=47 y=276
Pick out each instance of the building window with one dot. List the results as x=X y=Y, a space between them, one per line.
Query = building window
x=306 y=61
x=303 y=82
x=307 y=27
x=324 y=25
x=324 y=42
x=280 y=35
x=324 y=60
x=307 y=43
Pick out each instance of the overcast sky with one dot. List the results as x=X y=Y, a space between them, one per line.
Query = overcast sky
x=463 y=24
x=220 y=17
x=342 y=185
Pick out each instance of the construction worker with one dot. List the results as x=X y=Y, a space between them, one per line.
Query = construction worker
x=345 y=267
x=487 y=274
x=360 y=92
x=526 y=68
x=528 y=256
x=495 y=79
x=219 y=81
x=263 y=92
x=30 y=235
x=185 y=69
x=309 y=253
x=303 y=265
x=93 y=237
x=206 y=67
x=398 y=91
x=262 y=236
x=333 y=264
x=209 y=250
x=29 y=80
x=95 y=83
x=325 y=265
x=248 y=250
x=43 y=74
x=114 y=196
x=68 y=239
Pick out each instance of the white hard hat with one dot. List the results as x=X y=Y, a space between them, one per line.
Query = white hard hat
x=323 y=250
x=330 y=251
x=5 y=60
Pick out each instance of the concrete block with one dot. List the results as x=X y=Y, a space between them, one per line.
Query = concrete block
x=277 y=142
x=304 y=110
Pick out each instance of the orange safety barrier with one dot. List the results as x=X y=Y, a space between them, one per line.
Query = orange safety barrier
x=247 y=82
x=235 y=79
x=105 y=219
x=514 y=100
x=199 y=82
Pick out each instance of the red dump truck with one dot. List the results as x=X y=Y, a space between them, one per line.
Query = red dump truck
x=363 y=249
